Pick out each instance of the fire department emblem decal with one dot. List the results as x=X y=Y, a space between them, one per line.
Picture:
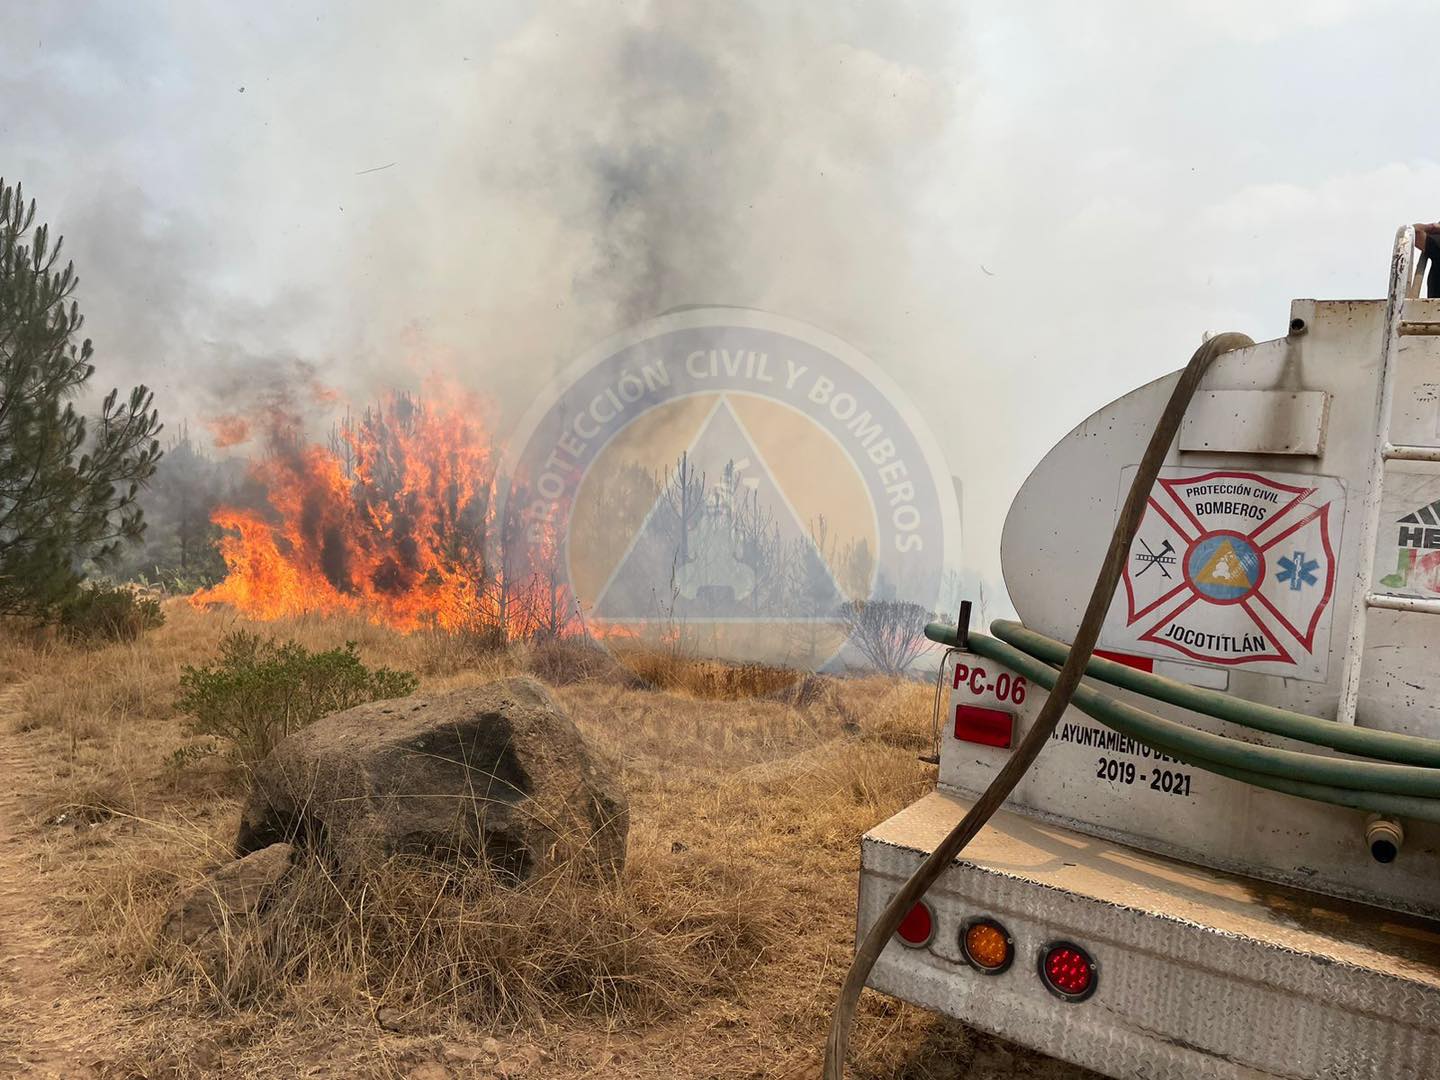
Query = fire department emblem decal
x=1233 y=568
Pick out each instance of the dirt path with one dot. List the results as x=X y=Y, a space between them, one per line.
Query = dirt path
x=47 y=1020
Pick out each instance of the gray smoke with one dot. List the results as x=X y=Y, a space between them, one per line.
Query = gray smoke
x=485 y=193
x=1019 y=213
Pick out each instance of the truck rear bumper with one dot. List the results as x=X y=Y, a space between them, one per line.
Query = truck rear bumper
x=1200 y=974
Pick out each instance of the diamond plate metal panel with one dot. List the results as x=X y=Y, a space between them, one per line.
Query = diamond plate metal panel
x=1241 y=981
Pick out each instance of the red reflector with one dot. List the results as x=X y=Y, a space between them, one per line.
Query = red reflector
x=1139 y=663
x=1068 y=971
x=917 y=929
x=989 y=727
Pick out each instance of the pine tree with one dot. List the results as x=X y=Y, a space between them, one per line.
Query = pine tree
x=181 y=546
x=67 y=487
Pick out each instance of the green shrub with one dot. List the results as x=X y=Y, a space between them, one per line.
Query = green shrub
x=180 y=581
x=108 y=613
x=260 y=691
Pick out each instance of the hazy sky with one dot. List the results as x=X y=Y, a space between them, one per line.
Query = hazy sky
x=1019 y=210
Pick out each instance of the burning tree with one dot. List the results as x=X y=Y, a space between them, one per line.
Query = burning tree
x=398 y=520
x=67 y=488
x=394 y=530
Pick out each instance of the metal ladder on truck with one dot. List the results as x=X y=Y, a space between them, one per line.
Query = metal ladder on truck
x=1406 y=278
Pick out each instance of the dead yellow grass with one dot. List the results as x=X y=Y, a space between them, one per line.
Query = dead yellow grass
x=663 y=669
x=433 y=944
x=717 y=954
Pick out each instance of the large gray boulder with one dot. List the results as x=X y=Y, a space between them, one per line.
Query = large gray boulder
x=496 y=773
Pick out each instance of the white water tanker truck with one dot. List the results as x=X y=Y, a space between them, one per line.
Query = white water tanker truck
x=1220 y=853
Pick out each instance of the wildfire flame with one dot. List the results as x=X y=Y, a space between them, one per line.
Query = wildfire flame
x=394 y=520
x=228 y=430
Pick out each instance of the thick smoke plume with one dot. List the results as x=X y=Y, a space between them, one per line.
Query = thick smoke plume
x=978 y=197
x=343 y=202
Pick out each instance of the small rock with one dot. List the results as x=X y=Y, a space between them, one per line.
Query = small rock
x=431 y=1070
x=238 y=889
x=390 y=1019
x=468 y=1054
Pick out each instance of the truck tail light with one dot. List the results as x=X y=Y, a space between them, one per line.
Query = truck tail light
x=987 y=946
x=988 y=727
x=1067 y=971
x=917 y=929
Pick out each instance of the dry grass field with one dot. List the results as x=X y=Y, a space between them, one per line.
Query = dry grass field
x=717 y=954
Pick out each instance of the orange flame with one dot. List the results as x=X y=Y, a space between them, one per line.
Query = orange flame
x=228 y=430
x=393 y=521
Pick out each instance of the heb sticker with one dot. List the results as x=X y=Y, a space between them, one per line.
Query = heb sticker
x=1413 y=568
x=1232 y=568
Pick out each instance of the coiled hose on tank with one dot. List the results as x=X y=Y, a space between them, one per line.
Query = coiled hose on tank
x=1404 y=781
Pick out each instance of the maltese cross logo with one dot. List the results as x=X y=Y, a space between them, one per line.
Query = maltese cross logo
x=1256 y=555
x=1298 y=571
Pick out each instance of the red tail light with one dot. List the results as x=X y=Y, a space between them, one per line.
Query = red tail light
x=988 y=727
x=1068 y=972
x=917 y=929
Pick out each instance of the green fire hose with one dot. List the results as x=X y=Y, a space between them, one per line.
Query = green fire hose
x=1363 y=742
x=1394 y=790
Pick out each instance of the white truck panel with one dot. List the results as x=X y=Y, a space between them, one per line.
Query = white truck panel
x=1256 y=422
x=1054 y=539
